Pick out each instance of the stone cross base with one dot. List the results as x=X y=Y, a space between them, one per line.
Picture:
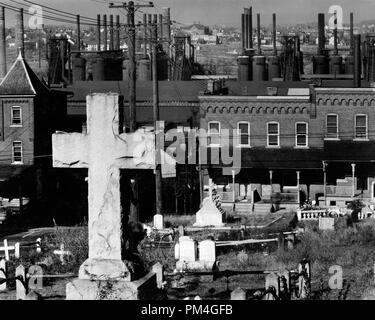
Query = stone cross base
x=142 y=289
x=104 y=269
x=194 y=265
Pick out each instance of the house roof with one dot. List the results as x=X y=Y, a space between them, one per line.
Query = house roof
x=21 y=80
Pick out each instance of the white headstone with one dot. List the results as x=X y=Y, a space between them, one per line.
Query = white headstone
x=242 y=190
x=326 y=223
x=158 y=222
x=207 y=251
x=266 y=191
x=20 y=288
x=3 y=271
x=188 y=249
x=238 y=294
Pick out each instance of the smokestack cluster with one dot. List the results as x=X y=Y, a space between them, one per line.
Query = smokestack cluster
x=3 y=60
x=20 y=41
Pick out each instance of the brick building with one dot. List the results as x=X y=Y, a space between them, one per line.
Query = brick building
x=29 y=113
x=297 y=142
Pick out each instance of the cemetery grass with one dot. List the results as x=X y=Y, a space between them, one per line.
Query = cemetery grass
x=350 y=247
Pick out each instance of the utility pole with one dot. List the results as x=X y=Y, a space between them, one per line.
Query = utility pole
x=155 y=86
x=131 y=8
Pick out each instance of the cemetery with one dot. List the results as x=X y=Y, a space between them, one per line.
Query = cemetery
x=214 y=254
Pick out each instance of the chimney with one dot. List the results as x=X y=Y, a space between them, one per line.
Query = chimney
x=274 y=33
x=145 y=34
x=161 y=22
x=20 y=44
x=78 y=32
x=167 y=23
x=105 y=38
x=258 y=34
x=117 y=33
x=250 y=26
x=111 y=34
x=243 y=17
x=321 y=37
x=351 y=34
x=3 y=60
x=357 y=61
x=98 y=32
x=247 y=13
x=335 y=40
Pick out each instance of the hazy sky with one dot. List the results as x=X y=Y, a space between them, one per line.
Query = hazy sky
x=222 y=11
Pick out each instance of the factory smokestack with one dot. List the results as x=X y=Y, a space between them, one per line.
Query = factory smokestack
x=117 y=33
x=246 y=27
x=351 y=33
x=111 y=33
x=3 y=60
x=20 y=42
x=258 y=34
x=78 y=32
x=243 y=36
x=335 y=40
x=105 y=38
x=167 y=23
x=250 y=26
x=161 y=29
x=274 y=33
x=321 y=37
x=357 y=61
x=98 y=32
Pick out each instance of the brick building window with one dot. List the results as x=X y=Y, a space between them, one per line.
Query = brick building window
x=244 y=132
x=214 y=134
x=332 y=131
x=16 y=116
x=361 y=126
x=17 y=156
x=273 y=134
x=301 y=134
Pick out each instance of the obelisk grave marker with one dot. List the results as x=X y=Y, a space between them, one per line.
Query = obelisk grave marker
x=104 y=151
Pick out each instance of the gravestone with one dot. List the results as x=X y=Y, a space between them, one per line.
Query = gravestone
x=158 y=222
x=188 y=249
x=238 y=294
x=266 y=191
x=207 y=251
x=104 y=151
x=326 y=223
x=211 y=214
x=242 y=191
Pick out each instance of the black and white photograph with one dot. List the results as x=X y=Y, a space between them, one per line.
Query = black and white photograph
x=187 y=154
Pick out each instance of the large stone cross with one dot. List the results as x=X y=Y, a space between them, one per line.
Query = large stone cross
x=104 y=151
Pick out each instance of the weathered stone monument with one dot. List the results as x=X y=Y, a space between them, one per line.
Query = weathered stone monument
x=104 y=151
x=211 y=214
x=326 y=223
